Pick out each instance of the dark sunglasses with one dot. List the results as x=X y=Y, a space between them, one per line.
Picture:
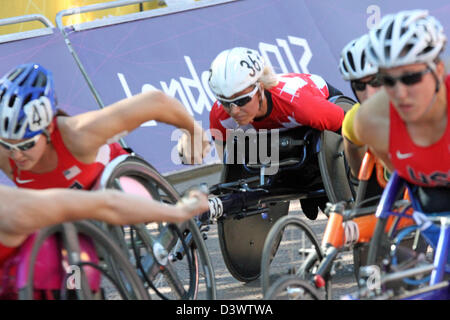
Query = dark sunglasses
x=239 y=101
x=407 y=79
x=21 y=146
x=361 y=86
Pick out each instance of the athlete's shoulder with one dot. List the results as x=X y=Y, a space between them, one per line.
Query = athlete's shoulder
x=303 y=82
x=377 y=106
x=371 y=121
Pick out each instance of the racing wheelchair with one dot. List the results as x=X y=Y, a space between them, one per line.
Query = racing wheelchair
x=171 y=259
x=312 y=263
x=70 y=261
x=424 y=275
x=396 y=268
x=311 y=167
x=145 y=261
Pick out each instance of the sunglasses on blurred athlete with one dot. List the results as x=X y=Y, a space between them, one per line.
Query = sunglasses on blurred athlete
x=239 y=101
x=407 y=79
x=21 y=146
x=361 y=85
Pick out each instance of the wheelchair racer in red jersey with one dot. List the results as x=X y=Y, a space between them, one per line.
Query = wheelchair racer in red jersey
x=25 y=211
x=407 y=124
x=39 y=148
x=251 y=96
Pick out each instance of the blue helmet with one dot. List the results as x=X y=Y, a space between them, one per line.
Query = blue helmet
x=27 y=101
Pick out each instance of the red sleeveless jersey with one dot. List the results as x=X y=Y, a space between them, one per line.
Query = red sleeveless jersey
x=6 y=252
x=425 y=166
x=297 y=100
x=8 y=272
x=69 y=173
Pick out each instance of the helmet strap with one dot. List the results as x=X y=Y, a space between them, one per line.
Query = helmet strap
x=354 y=92
x=432 y=67
x=431 y=103
x=47 y=135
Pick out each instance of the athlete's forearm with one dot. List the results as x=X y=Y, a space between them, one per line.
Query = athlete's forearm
x=120 y=208
x=111 y=206
x=32 y=210
x=354 y=155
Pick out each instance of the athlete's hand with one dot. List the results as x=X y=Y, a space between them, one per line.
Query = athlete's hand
x=194 y=204
x=193 y=148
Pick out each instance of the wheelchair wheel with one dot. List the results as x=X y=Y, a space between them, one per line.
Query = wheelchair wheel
x=291 y=287
x=333 y=166
x=334 y=169
x=398 y=250
x=169 y=261
x=291 y=248
x=172 y=259
x=93 y=276
x=383 y=243
x=242 y=240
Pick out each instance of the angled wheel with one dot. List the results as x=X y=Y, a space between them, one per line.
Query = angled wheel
x=333 y=166
x=398 y=245
x=291 y=288
x=172 y=259
x=242 y=240
x=88 y=252
x=291 y=248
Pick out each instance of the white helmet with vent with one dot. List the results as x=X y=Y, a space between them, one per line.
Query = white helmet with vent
x=353 y=63
x=404 y=38
x=235 y=69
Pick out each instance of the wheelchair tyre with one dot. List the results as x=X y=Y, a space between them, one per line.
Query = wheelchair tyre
x=242 y=240
x=130 y=287
x=291 y=247
x=161 y=190
x=291 y=288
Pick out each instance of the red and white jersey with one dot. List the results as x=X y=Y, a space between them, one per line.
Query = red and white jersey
x=297 y=100
x=425 y=166
x=69 y=173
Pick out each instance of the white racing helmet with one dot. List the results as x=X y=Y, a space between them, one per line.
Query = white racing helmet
x=353 y=63
x=235 y=69
x=404 y=38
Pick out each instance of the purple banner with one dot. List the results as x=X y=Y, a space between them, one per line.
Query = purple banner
x=173 y=52
x=73 y=94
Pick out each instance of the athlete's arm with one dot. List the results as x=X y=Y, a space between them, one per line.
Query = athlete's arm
x=85 y=133
x=24 y=211
x=354 y=155
x=354 y=149
x=318 y=113
x=371 y=126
